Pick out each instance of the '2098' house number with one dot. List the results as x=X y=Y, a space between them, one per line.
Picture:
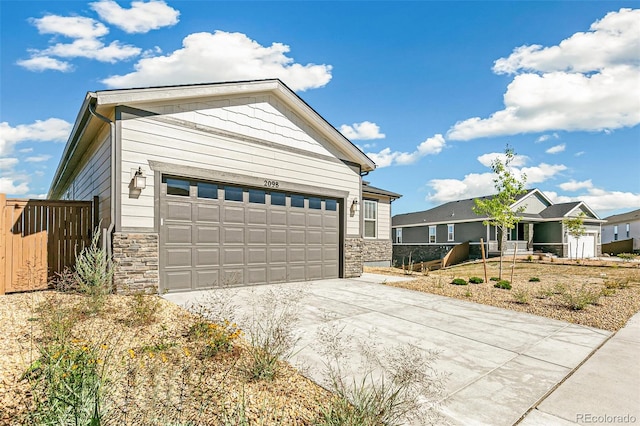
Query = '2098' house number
x=271 y=183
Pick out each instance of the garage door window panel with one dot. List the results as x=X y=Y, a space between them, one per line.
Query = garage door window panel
x=178 y=187
x=257 y=196
x=278 y=199
x=330 y=205
x=233 y=193
x=297 y=201
x=207 y=190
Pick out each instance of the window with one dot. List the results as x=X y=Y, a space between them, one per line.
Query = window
x=450 y=235
x=432 y=234
x=330 y=205
x=615 y=232
x=297 y=201
x=315 y=203
x=207 y=190
x=177 y=187
x=627 y=229
x=278 y=199
x=399 y=235
x=370 y=218
x=256 y=196
x=232 y=193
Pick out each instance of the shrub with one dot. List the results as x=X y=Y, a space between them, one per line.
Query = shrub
x=270 y=332
x=398 y=385
x=143 y=308
x=534 y=280
x=216 y=337
x=494 y=279
x=579 y=299
x=93 y=273
x=522 y=297
x=458 y=281
x=476 y=280
x=503 y=284
x=627 y=257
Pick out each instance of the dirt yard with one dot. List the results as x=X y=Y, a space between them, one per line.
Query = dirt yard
x=612 y=287
x=156 y=373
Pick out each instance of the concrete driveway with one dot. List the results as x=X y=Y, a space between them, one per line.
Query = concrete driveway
x=500 y=363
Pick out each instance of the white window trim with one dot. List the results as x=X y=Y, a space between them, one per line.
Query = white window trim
x=435 y=234
x=374 y=220
x=451 y=236
x=398 y=235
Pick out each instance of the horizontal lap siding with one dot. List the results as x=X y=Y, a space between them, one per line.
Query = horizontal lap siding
x=145 y=139
x=94 y=176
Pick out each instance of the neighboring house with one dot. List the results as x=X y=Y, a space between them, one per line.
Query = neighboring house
x=430 y=234
x=376 y=214
x=219 y=184
x=622 y=227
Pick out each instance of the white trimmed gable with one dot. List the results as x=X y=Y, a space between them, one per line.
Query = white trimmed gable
x=533 y=203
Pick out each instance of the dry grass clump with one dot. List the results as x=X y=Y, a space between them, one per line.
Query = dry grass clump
x=604 y=297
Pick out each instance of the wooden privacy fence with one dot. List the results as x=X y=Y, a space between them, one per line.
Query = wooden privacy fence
x=617 y=247
x=39 y=238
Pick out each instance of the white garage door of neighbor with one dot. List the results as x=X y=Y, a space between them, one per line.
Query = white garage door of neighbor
x=213 y=234
x=586 y=246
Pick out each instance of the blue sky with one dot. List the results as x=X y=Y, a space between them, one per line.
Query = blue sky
x=431 y=91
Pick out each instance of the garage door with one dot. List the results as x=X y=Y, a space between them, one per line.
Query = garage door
x=215 y=234
x=586 y=246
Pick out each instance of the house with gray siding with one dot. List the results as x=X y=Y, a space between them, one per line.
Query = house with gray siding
x=622 y=226
x=430 y=234
x=234 y=183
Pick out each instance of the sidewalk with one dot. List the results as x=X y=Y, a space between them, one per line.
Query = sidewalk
x=604 y=390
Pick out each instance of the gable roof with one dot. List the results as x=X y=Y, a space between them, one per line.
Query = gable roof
x=102 y=103
x=368 y=189
x=631 y=216
x=453 y=211
x=462 y=211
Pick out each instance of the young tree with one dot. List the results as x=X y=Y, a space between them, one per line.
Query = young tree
x=498 y=207
x=575 y=227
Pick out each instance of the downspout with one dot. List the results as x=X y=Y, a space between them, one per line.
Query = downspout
x=112 y=203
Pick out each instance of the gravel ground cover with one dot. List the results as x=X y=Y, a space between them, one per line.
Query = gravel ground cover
x=154 y=371
x=614 y=286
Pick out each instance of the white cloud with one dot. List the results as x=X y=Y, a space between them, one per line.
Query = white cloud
x=611 y=41
x=556 y=149
x=600 y=199
x=86 y=34
x=50 y=130
x=223 y=56
x=386 y=157
x=43 y=63
x=7 y=163
x=13 y=187
x=547 y=137
x=487 y=159
x=573 y=185
x=38 y=158
x=70 y=26
x=480 y=184
x=586 y=83
x=473 y=185
x=142 y=17
x=362 y=131
x=540 y=173
x=579 y=154
x=92 y=48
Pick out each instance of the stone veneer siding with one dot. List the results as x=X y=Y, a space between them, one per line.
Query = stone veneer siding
x=376 y=251
x=135 y=257
x=352 y=257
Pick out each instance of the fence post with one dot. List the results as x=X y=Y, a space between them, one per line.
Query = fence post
x=3 y=243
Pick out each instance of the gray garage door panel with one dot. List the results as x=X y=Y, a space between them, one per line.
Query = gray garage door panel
x=208 y=242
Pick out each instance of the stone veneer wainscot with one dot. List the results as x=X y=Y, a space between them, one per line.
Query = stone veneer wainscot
x=135 y=257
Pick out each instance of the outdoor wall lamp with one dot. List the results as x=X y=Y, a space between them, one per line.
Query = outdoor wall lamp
x=354 y=206
x=139 y=180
